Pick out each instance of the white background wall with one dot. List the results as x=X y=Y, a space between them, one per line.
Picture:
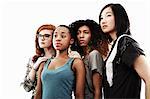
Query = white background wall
x=21 y=18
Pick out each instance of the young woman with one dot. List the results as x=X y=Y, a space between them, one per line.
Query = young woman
x=61 y=75
x=89 y=39
x=123 y=74
x=44 y=50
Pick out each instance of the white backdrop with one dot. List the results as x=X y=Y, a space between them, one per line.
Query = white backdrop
x=21 y=18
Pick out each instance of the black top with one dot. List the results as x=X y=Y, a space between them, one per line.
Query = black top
x=126 y=81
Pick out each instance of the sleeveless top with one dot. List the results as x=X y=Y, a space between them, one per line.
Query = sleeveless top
x=58 y=83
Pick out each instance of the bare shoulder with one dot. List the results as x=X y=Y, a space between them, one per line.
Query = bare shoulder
x=78 y=63
x=77 y=60
x=41 y=66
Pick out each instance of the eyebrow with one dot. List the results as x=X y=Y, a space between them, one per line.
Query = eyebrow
x=44 y=34
x=108 y=12
x=63 y=32
x=55 y=32
x=83 y=30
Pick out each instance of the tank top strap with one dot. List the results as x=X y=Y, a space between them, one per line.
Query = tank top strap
x=70 y=61
x=47 y=62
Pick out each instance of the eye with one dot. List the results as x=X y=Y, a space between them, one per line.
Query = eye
x=86 y=32
x=78 y=32
x=55 y=35
x=47 y=35
x=63 y=36
x=108 y=15
x=101 y=18
x=39 y=35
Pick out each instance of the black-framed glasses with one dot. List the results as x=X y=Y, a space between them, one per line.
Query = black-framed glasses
x=45 y=36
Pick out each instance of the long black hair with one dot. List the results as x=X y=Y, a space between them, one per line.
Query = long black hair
x=122 y=24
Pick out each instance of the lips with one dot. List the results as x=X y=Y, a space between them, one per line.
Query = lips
x=42 y=43
x=81 y=41
x=104 y=26
x=58 y=44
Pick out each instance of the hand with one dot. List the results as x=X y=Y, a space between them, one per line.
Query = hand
x=39 y=61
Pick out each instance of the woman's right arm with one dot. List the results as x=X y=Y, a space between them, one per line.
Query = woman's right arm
x=35 y=67
x=28 y=84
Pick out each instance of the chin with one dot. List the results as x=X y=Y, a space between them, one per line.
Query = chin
x=82 y=45
x=42 y=46
x=106 y=31
x=57 y=48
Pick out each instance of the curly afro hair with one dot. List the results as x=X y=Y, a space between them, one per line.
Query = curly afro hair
x=97 y=37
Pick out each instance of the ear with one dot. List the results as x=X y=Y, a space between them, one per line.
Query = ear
x=71 y=41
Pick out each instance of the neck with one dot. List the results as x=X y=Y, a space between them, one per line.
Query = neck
x=49 y=52
x=113 y=35
x=86 y=50
x=62 y=54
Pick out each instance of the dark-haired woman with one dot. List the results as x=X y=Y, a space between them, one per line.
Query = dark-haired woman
x=89 y=39
x=126 y=64
x=62 y=75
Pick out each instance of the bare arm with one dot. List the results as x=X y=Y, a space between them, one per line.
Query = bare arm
x=96 y=63
x=142 y=68
x=79 y=69
x=39 y=83
x=32 y=74
x=97 y=84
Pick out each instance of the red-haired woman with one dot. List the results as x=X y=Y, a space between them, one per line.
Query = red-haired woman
x=44 y=50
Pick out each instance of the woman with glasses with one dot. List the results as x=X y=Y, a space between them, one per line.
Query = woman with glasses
x=44 y=50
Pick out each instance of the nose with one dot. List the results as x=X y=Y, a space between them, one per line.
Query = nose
x=103 y=21
x=58 y=38
x=42 y=38
x=81 y=35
